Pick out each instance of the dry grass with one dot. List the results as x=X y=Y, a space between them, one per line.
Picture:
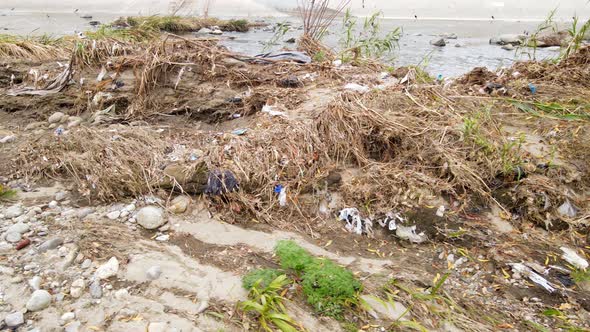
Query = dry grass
x=104 y=164
x=41 y=48
x=318 y=16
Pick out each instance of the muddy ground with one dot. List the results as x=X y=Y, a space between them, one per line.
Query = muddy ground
x=496 y=188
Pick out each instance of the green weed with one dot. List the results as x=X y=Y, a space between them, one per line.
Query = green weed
x=566 y=322
x=532 y=40
x=293 y=256
x=329 y=288
x=280 y=30
x=472 y=131
x=554 y=110
x=577 y=34
x=369 y=42
x=580 y=276
x=261 y=277
x=267 y=304
x=6 y=193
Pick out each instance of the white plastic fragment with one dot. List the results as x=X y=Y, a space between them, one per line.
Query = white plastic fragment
x=441 y=211
x=567 y=210
x=354 y=223
x=337 y=63
x=102 y=74
x=357 y=88
x=283 y=197
x=523 y=270
x=271 y=110
x=409 y=233
x=572 y=257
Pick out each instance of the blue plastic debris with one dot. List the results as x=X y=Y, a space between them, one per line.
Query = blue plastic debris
x=439 y=77
x=59 y=131
x=532 y=88
x=278 y=188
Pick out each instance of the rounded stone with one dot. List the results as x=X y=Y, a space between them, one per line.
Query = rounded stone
x=55 y=117
x=13 y=212
x=154 y=272
x=19 y=228
x=179 y=204
x=40 y=300
x=13 y=237
x=14 y=319
x=150 y=217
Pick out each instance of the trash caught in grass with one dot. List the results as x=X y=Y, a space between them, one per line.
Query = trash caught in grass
x=357 y=88
x=272 y=110
x=572 y=257
x=521 y=270
x=392 y=221
x=221 y=182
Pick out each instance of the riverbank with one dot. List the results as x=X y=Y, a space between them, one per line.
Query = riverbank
x=151 y=175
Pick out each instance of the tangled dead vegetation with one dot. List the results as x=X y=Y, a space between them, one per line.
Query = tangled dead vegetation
x=400 y=147
x=103 y=164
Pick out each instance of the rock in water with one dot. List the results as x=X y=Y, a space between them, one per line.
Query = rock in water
x=13 y=212
x=179 y=204
x=55 y=117
x=150 y=217
x=40 y=300
x=109 y=269
x=95 y=290
x=154 y=272
x=205 y=31
x=439 y=42
x=14 y=319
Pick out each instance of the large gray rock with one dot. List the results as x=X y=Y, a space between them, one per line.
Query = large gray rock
x=150 y=217
x=40 y=300
x=14 y=319
x=513 y=39
x=13 y=212
x=19 y=228
x=439 y=42
x=13 y=237
x=50 y=244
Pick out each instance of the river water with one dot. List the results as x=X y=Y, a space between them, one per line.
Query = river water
x=414 y=45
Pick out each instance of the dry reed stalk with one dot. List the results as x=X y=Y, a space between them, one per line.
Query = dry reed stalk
x=318 y=16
